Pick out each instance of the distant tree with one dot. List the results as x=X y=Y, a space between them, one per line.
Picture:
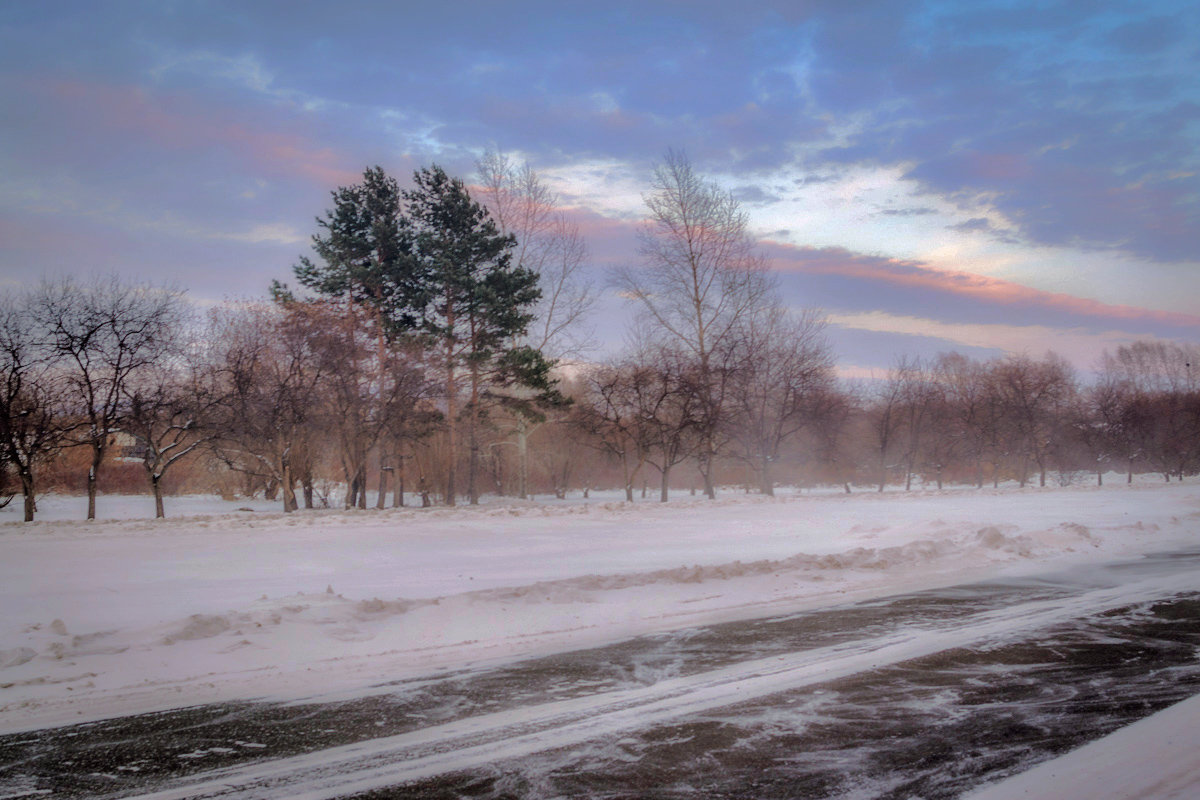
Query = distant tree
x=836 y=411
x=699 y=278
x=1035 y=394
x=1161 y=403
x=617 y=396
x=104 y=333
x=668 y=392
x=885 y=419
x=783 y=375
x=920 y=398
x=963 y=422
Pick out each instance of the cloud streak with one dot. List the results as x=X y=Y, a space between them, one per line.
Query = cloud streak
x=981 y=289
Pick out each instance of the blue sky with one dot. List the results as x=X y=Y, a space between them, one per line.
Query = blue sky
x=988 y=177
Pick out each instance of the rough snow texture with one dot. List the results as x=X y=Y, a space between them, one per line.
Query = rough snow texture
x=130 y=615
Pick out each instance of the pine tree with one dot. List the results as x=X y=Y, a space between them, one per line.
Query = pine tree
x=473 y=302
x=365 y=251
x=430 y=265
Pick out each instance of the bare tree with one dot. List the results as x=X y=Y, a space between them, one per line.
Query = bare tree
x=1160 y=403
x=354 y=387
x=269 y=380
x=837 y=413
x=104 y=332
x=170 y=411
x=32 y=427
x=1034 y=393
x=920 y=397
x=784 y=373
x=548 y=243
x=612 y=412
x=885 y=415
x=962 y=426
x=700 y=277
x=669 y=391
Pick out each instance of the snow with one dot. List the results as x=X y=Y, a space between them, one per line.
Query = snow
x=129 y=614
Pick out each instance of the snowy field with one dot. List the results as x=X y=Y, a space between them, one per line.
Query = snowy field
x=129 y=614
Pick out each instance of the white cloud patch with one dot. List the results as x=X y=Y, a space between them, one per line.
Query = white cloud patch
x=607 y=186
x=241 y=70
x=269 y=232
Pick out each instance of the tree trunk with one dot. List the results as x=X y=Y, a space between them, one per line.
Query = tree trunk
x=27 y=490
x=666 y=475
x=451 y=435
x=97 y=455
x=472 y=461
x=473 y=465
x=706 y=468
x=289 y=489
x=628 y=476
x=351 y=486
x=398 y=492
x=156 y=484
x=381 y=500
x=767 y=484
x=522 y=459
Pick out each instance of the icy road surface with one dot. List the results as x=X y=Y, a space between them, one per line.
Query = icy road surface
x=926 y=694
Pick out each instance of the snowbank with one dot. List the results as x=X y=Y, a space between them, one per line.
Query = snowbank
x=107 y=618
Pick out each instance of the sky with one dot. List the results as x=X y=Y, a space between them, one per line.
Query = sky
x=986 y=177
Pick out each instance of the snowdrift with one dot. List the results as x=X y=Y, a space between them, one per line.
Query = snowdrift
x=125 y=616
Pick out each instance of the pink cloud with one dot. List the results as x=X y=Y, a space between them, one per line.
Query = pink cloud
x=180 y=122
x=1000 y=166
x=911 y=274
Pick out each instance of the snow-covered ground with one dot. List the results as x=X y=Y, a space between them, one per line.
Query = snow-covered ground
x=132 y=614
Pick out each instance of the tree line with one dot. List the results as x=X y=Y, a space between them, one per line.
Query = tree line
x=434 y=348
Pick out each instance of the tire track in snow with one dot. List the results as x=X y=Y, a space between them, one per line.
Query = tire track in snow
x=486 y=739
